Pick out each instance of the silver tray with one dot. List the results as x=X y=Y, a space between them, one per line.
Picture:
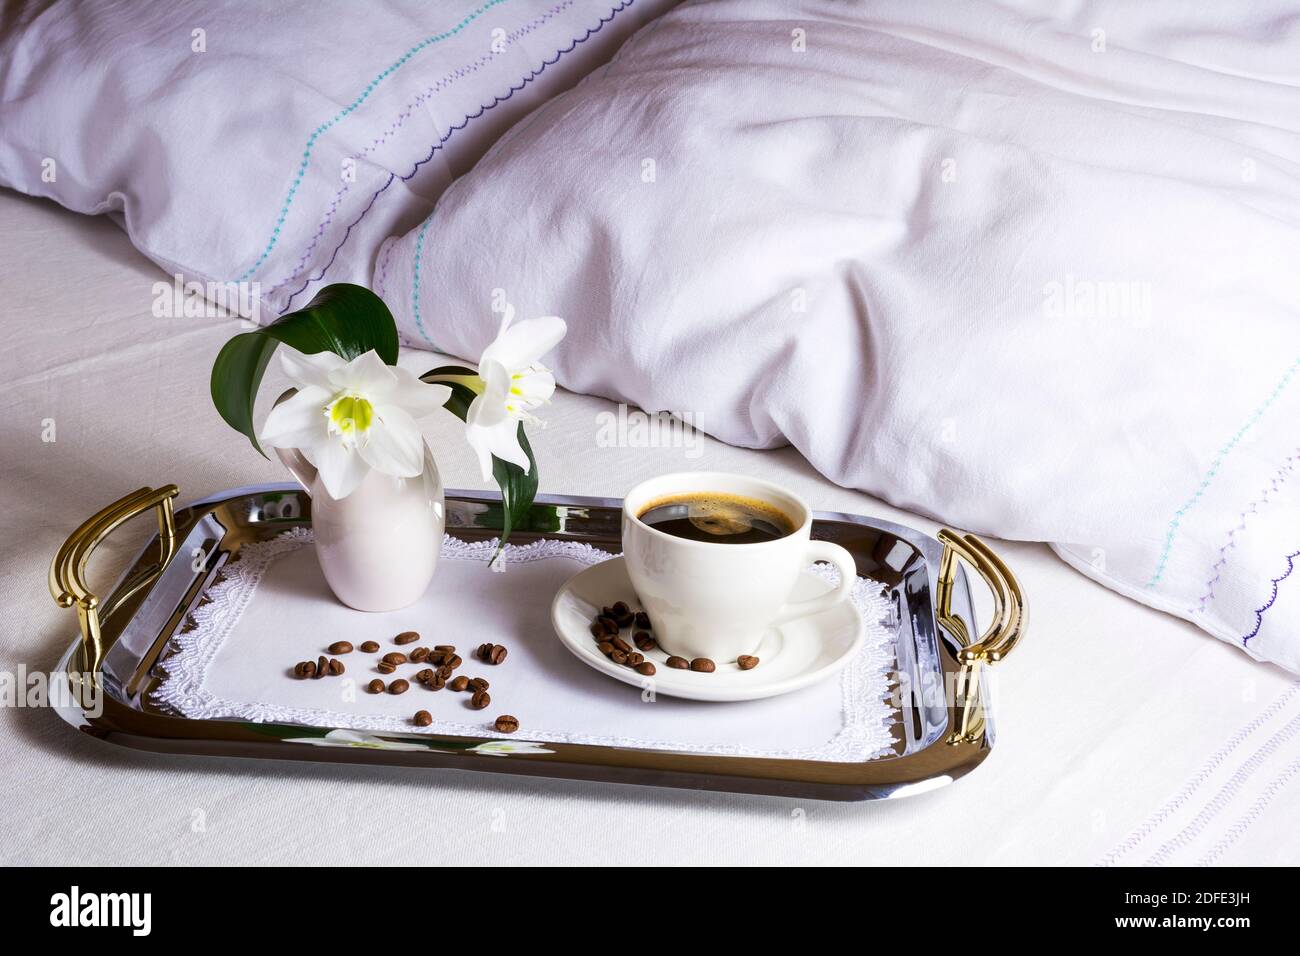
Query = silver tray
x=940 y=699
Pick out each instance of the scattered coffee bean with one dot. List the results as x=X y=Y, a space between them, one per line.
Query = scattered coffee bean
x=498 y=654
x=425 y=676
x=454 y=661
x=478 y=683
x=605 y=647
x=620 y=607
x=633 y=659
x=376 y=686
x=703 y=665
x=304 y=669
x=385 y=668
x=597 y=631
x=445 y=672
x=459 y=683
x=642 y=620
x=437 y=658
x=609 y=624
x=369 y=647
x=617 y=656
x=484 y=651
x=480 y=699
x=419 y=655
x=394 y=658
x=506 y=724
x=322 y=666
x=340 y=647
x=643 y=641
x=746 y=662
x=448 y=648
x=438 y=683
x=621 y=644
x=423 y=718
x=646 y=668
x=625 y=620
x=678 y=663
x=407 y=637
x=399 y=686
x=336 y=667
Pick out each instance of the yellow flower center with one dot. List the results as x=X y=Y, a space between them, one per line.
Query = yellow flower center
x=350 y=417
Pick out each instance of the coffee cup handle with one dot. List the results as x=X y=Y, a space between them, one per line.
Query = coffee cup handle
x=843 y=561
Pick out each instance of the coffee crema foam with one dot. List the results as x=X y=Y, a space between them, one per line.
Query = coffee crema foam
x=717 y=516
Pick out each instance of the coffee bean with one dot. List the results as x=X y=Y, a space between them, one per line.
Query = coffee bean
x=406 y=637
x=394 y=658
x=304 y=669
x=642 y=620
x=438 y=683
x=506 y=724
x=437 y=658
x=399 y=686
x=606 y=612
x=423 y=718
x=322 y=666
x=336 y=667
x=460 y=683
x=633 y=659
x=703 y=665
x=643 y=641
x=621 y=644
x=419 y=655
x=425 y=676
x=745 y=662
x=620 y=607
x=340 y=647
x=605 y=647
x=625 y=620
x=498 y=654
x=454 y=661
x=646 y=668
x=609 y=624
x=678 y=663
x=480 y=699
x=448 y=648
x=369 y=647
x=484 y=651
x=385 y=668
x=376 y=686
x=597 y=631
x=617 y=656
x=478 y=683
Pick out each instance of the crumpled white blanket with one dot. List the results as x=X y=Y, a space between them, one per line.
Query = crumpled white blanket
x=1032 y=269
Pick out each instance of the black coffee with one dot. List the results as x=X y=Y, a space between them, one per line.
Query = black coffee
x=717 y=518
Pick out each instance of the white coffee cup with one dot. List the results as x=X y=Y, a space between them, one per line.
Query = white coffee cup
x=716 y=600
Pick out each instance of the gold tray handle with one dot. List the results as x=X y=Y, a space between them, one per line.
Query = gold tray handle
x=68 y=569
x=1010 y=618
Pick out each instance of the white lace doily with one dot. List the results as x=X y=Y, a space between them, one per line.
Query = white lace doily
x=233 y=660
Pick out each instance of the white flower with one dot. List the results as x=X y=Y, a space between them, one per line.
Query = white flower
x=350 y=738
x=503 y=748
x=513 y=384
x=351 y=417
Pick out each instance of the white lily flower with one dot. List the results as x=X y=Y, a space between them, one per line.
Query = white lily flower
x=513 y=384
x=351 y=417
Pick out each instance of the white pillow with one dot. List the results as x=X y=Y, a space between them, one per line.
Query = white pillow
x=278 y=144
x=1031 y=273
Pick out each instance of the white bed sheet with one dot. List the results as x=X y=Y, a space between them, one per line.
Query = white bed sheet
x=1115 y=722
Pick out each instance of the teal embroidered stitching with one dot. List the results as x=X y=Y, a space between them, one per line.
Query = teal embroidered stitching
x=415 y=283
x=1214 y=470
x=347 y=110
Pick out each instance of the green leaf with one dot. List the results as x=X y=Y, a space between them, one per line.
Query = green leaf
x=518 y=489
x=348 y=320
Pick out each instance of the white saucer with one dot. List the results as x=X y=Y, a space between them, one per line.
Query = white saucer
x=791 y=656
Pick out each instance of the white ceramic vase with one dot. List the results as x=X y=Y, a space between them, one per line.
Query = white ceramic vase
x=378 y=547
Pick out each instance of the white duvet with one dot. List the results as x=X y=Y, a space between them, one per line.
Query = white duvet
x=1030 y=269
